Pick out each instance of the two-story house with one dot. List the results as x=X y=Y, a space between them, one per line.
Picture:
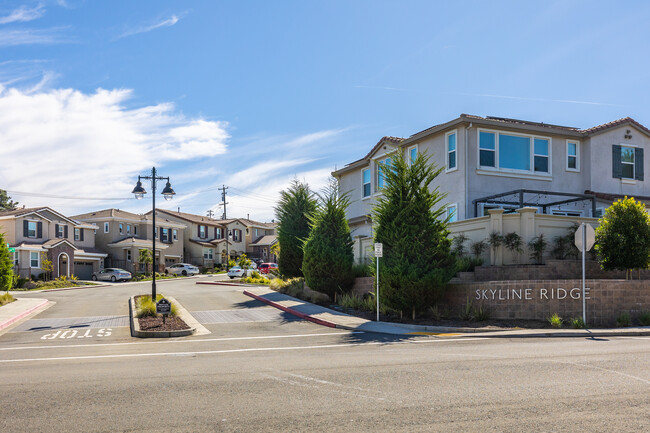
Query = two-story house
x=204 y=239
x=493 y=162
x=260 y=237
x=43 y=233
x=123 y=234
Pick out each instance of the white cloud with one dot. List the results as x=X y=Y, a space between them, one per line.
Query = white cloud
x=144 y=29
x=68 y=143
x=261 y=172
x=24 y=14
x=33 y=36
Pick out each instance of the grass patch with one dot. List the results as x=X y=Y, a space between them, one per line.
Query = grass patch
x=555 y=320
x=577 y=323
x=623 y=320
x=6 y=299
x=644 y=318
x=145 y=307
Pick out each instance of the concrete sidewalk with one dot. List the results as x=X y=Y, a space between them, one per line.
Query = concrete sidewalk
x=336 y=319
x=19 y=309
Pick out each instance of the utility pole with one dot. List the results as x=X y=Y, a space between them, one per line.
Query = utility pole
x=224 y=203
x=209 y=213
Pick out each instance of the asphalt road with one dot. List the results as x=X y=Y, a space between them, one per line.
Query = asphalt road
x=260 y=370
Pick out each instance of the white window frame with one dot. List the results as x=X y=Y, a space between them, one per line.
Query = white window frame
x=408 y=153
x=207 y=253
x=120 y=227
x=16 y=256
x=128 y=229
x=135 y=230
x=35 y=229
x=363 y=184
x=219 y=233
x=448 y=214
x=61 y=230
x=379 y=163
x=525 y=173
x=106 y=227
x=633 y=163
x=38 y=259
x=175 y=234
x=128 y=255
x=77 y=234
x=448 y=152
x=202 y=231
x=577 y=155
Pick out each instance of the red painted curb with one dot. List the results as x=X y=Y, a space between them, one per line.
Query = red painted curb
x=22 y=315
x=291 y=311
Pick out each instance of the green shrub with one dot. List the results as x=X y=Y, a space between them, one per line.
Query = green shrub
x=537 y=245
x=438 y=313
x=255 y=274
x=458 y=244
x=20 y=282
x=577 y=323
x=481 y=314
x=468 y=264
x=466 y=314
x=623 y=319
x=6 y=298
x=478 y=248
x=362 y=270
x=349 y=300
x=644 y=318
x=555 y=320
x=145 y=307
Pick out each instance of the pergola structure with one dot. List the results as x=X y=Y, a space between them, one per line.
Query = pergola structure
x=531 y=197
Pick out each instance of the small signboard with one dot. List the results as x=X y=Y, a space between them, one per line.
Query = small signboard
x=163 y=307
x=590 y=236
x=12 y=250
x=379 y=250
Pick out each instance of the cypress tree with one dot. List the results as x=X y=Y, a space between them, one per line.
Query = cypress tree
x=6 y=266
x=296 y=205
x=417 y=262
x=328 y=256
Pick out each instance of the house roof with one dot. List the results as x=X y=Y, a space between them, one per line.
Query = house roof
x=123 y=215
x=265 y=241
x=136 y=242
x=197 y=219
x=16 y=213
x=210 y=244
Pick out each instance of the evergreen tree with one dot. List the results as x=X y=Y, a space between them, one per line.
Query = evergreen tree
x=623 y=236
x=328 y=256
x=5 y=201
x=293 y=210
x=417 y=262
x=6 y=266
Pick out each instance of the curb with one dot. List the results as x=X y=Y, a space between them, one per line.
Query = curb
x=23 y=315
x=135 y=324
x=219 y=283
x=292 y=311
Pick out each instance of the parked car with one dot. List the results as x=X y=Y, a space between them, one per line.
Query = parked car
x=112 y=274
x=183 y=269
x=266 y=268
x=237 y=271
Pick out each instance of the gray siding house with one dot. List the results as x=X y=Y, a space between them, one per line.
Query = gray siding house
x=500 y=163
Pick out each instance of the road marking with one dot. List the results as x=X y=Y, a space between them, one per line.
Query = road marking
x=203 y=340
x=640 y=379
x=214 y=352
x=309 y=385
x=72 y=333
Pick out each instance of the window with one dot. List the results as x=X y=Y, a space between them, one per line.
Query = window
x=572 y=154
x=236 y=235
x=207 y=253
x=77 y=234
x=514 y=152
x=164 y=235
x=452 y=213
x=128 y=229
x=487 y=149
x=128 y=255
x=256 y=233
x=175 y=234
x=540 y=155
x=135 y=230
x=365 y=175
x=413 y=154
x=202 y=234
x=15 y=258
x=121 y=228
x=219 y=233
x=59 y=231
x=599 y=212
x=451 y=150
x=105 y=227
x=31 y=229
x=34 y=260
x=381 y=166
x=627 y=162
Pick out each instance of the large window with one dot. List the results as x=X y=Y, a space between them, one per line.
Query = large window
x=572 y=155
x=365 y=174
x=413 y=154
x=381 y=166
x=627 y=162
x=31 y=229
x=514 y=152
x=207 y=253
x=451 y=151
x=34 y=260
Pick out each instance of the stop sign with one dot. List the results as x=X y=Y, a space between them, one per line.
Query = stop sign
x=590 y=236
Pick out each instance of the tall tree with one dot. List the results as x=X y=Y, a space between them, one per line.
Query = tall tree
x=6 y=203
x=328 y=255
x=6 y=266
x=296 y=204
x=623 y=237
x=417 y=262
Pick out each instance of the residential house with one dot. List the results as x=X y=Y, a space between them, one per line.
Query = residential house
x=41 y=233
x=260 y=237
x=499 y=163
x=123 y=234
x=204 y=238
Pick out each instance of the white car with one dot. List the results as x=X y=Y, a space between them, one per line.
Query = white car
x=182 y=269
x=237 y=271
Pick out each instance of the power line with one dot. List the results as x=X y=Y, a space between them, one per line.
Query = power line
x=65 y=197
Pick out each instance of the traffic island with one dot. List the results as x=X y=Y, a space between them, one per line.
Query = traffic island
x=182 y=325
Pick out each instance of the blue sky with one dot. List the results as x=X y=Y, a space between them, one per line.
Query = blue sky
x=251 y=94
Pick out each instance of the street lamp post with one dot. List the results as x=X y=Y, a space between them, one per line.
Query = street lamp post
x=168 y=193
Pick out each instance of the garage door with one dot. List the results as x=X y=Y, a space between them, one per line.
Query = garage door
x=83 y=270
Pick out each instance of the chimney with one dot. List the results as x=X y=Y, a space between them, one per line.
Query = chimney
x=248 y=216
x=179 y=209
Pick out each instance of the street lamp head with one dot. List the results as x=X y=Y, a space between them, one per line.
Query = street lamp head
x=139 y=190
x=168 y=192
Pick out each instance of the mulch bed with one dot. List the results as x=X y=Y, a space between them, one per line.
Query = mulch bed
x=156 y=324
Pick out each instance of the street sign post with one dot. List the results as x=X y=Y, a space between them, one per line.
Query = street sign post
x=379 y=252
x=585 y=237
x=163 y=307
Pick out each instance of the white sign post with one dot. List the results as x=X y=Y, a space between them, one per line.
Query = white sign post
x=379 y=252
x=584 y=237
